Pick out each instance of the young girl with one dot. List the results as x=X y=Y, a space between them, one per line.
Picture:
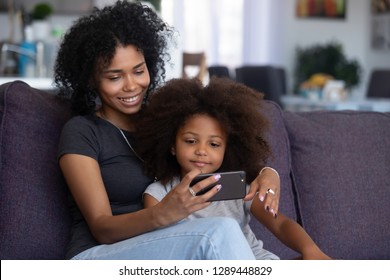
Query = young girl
x=215 y=128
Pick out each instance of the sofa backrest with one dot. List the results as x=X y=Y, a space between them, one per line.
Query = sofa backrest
x=341 y=166
x=34 y=217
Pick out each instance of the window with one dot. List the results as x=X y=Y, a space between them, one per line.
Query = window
x=212 y=26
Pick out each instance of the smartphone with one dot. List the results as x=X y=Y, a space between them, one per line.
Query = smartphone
x=233 y=185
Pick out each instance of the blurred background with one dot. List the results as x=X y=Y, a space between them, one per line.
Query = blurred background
x=229 y=34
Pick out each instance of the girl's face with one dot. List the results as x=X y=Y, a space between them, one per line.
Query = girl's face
x=200 y=144
x=122 y=86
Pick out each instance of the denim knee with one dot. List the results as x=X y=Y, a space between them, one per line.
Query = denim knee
x=224 y=224
x=227 y=239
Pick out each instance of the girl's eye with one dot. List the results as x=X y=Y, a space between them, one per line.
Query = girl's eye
x=215 y=145
x=190 y=141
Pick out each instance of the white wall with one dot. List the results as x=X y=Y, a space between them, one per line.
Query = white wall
x=353 y=33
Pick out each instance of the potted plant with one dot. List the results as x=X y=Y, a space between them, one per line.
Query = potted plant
x=39 y=18
x=155 y=3
x=325 y=61
x=41 y=11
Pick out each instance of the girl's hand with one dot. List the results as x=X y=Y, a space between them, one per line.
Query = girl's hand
x=182 y=201
x=267 y=187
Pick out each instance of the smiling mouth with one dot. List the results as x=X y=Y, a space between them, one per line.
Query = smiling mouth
x=129 y=99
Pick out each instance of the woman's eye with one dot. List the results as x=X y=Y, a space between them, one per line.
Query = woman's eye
x=139 y=71
x=114 y=78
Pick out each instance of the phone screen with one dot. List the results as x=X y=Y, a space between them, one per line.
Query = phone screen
x=233 y=185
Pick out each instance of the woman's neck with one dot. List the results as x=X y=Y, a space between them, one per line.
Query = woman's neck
x=121 y=121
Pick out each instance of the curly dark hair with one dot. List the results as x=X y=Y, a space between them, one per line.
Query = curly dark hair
x=236 y=107
x=90 y=44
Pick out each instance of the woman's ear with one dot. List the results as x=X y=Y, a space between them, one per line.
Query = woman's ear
x=173 y=150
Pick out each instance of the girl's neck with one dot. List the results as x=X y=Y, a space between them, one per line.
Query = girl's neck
x=121 y=121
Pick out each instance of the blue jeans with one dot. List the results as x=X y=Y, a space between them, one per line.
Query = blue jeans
x=202 y=239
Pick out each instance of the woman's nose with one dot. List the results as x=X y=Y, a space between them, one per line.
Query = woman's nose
x=129 y=84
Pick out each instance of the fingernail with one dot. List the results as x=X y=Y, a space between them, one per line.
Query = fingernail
x=261 y=198
x=217 y=176
x=273 y=211
x=219 y=187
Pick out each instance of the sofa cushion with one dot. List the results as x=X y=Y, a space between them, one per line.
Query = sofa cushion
x=34 y=215
x=341 y=166
x=278 y=140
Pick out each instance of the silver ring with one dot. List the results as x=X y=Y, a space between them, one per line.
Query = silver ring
x=270 y=191
x=192 y=192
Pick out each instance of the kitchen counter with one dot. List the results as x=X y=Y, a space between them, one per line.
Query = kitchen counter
x=39 y=83
x=299 y=104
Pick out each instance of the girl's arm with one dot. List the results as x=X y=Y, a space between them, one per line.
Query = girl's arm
x=288 y=232
x=149 y=201
x=83 y=176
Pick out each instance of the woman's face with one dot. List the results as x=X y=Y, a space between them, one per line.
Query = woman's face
x=200 y=144
x=122 y=86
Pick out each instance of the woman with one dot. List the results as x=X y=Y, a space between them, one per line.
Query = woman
x=117 y=54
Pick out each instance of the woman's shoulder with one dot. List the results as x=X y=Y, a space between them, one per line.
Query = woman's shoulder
x=81 y=135
x=80 y=127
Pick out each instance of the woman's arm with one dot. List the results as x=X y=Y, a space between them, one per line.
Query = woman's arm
x=83 y=176
x=288 y=232
x=268 y=179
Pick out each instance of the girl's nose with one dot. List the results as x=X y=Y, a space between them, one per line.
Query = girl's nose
x=201 y=151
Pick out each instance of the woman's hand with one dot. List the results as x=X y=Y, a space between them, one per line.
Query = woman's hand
x=182 y=201
x=267 y=187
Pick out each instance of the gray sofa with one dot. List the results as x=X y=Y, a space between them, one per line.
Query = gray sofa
x=334 y=168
